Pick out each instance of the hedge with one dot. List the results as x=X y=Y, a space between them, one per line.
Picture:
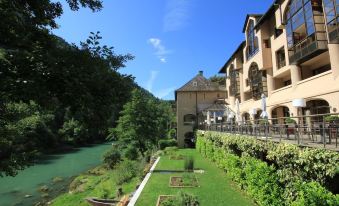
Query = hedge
x=272 y=173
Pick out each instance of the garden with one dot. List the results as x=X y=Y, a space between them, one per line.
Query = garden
x=183 y=177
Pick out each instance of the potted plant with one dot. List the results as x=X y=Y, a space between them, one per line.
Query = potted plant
x=290 y=124
x=334 y=119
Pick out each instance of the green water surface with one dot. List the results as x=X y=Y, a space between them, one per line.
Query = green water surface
x=27 y=183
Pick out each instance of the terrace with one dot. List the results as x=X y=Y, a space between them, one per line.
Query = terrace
x=317 y=131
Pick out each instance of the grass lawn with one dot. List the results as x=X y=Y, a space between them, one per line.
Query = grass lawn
x=215 y=188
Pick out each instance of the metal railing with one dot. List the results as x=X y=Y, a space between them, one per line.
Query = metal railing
x=305 y=133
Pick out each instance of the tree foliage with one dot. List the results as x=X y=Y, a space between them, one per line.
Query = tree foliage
x=144 y=120
x=52 y=92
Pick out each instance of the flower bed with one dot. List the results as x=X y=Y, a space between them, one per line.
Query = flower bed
x=163 y=198
x=187 y=180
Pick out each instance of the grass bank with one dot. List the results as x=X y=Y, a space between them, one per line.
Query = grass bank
x=98 y=182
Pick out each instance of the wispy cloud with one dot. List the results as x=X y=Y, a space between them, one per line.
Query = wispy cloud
x=177 y=15
x=150 y=82
x=160 y=50
x=164 y=92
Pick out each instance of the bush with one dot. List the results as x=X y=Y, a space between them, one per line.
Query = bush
x=131 y=153
x=167 y=143
x=278 y=183
x=332 y=118
x=313 y=194
x=112 y=158
x=126 y=171
x=189 y=164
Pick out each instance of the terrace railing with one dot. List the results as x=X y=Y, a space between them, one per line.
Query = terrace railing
x=310 y=133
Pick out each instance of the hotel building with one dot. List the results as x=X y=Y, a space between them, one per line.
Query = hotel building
x=290 y=53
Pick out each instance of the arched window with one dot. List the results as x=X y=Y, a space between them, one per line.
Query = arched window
x=331 y=8
x=235 y=81
x=257 y=81
x=252 y=41
x=189 y=119
x=300 y=18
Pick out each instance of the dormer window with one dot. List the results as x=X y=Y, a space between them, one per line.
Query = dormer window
x=252 y=41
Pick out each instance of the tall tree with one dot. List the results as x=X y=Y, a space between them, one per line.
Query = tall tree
x=143 y=121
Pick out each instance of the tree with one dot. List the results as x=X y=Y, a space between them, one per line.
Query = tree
x=221 y=80
x=143 y=121
x=72 y=94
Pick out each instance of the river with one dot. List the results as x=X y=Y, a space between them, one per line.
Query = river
x=23 y=189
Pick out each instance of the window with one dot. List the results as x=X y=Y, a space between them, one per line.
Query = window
x=277 y=32
x=195 y=84
x=235 y=81
x=267 y=43
x=321 y=70
x=280 y=58
x=257 y=81
x=247 y=83
x=252 y=41
x=331 y=8
x=287 y=82
x=300 y=21
x=189 y=119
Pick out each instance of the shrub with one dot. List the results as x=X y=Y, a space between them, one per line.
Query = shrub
x=189 y=164
x=332 y=118
x=289 y=120
x=112 y=158
x=313 y=194
x=279 y=182
x=131 y=153
x=167 y=143
x=185 y=199
x=126 y=171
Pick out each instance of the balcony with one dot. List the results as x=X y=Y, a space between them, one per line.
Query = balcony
x=306 y=49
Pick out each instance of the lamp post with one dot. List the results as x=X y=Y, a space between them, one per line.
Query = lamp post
x=298 y=104
x=230 y=117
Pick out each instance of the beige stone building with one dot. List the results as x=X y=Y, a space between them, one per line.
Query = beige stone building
x=192 y=100
x=290 y=54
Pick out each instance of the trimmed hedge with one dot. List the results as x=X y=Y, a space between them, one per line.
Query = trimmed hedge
x=272 y=173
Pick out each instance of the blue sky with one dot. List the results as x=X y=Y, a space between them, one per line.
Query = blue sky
x=171 y=39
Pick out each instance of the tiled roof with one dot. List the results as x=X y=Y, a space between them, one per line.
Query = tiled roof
x=200 y=83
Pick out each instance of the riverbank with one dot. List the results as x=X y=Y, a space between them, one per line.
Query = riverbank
x=50 y=176
x=98 y=182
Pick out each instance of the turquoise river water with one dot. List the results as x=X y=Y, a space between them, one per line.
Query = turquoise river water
x=23 y=189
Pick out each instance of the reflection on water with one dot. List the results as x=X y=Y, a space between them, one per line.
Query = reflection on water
x=49 y=176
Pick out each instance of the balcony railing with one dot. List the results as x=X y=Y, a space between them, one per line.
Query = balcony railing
x=306 y=49
x=249 y=55
x=312 y=134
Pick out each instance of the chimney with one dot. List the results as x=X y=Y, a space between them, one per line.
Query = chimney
x=201 y=73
